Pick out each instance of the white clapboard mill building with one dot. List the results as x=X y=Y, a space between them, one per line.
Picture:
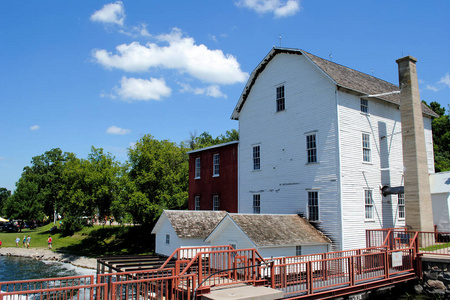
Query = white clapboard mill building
x=320 y=140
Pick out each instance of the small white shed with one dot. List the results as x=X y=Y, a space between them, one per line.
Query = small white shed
x=272 y=235
x=440 y=197
x=184 y=228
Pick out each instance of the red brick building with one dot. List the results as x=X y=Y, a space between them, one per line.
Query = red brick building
x=213 y=178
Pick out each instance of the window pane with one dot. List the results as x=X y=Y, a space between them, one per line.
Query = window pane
x=197 y=202
x=313 y=206
x=256 y=158
x=368 y=203
x=197 y=167
x=280 y=98
x=366 y=147
x=311 y=149
x=365 y=106
x=216 y=202
x=216 y=160
x=256 y=204
x=401 y=206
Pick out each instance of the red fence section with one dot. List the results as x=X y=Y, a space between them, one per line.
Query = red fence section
x=81 y=292
x=173 y=287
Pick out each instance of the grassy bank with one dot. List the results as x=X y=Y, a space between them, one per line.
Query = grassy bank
x=92 y=241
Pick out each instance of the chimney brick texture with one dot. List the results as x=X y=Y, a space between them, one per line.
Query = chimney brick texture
x=418 y=208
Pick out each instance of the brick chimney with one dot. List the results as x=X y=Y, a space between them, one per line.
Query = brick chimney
x=419 y=213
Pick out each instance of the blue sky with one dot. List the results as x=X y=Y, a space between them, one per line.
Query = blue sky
x=76 y=74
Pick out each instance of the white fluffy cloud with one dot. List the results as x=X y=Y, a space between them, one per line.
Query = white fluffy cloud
x=446 y=80
x=180 y=54
x=279 y=8
x=34 y=127
x=211 y=91
x=431 y=88
x=110 y=13
x=117 y=130
x=142 y=89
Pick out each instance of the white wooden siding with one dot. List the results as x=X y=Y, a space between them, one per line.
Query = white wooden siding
x=386 y=168
x=313 y=103
x=285 y=176
x=226 y=232
x=160 y=239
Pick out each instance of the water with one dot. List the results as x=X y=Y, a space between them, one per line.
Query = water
x=20 y=268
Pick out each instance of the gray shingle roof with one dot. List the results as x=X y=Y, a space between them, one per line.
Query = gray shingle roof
x=273 y=230
x=194 y=223
x=343 y=76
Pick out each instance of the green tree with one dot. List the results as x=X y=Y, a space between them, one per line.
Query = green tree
x=24 y=203
x=4 y=195
x=159 y=175
x=37 y=191
x=441 y=138
x=89 y=186
x=205 y=139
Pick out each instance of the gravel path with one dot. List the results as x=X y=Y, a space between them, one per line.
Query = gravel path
x=44 y=254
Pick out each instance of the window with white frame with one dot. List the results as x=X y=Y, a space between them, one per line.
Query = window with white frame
x=167 y=239
x=401 y=206
x=313 y=206
x=366 y=147
x=368 y=204
x=256 y=203
x=311 y=148
x=197 y=168
x=256 y=157
x=197 y=202
x=364 y=106
x=216 y=202
x=298 y=250
x=280 y=98
x=216 y=161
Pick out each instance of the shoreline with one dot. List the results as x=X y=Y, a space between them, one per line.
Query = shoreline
x=48 y=255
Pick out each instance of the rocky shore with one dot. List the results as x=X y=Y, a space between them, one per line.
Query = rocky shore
x=47 y=255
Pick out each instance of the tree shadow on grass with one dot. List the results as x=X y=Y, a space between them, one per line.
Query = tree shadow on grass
x=114 y=240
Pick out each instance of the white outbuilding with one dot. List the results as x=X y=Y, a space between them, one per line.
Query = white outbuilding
x=440 y=197
x=184 y=228
x=272 y=235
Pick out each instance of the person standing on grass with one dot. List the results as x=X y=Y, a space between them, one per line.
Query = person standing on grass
x=17 y=241
x=28 y=241
x=0 y=244
x=49 y=240
x=24 y=240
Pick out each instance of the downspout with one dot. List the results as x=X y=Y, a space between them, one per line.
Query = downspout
x=338 y=128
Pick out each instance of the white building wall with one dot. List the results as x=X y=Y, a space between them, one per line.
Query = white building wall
x=383 y=124
x=160 y=239
x=429 y=143
x=285 y=176
x=228 y=233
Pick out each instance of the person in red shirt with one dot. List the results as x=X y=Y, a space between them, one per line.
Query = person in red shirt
x=49 y=240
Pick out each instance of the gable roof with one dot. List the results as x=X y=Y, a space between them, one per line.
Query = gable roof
x=191 y=223
x=342 y=76
x=278 y=230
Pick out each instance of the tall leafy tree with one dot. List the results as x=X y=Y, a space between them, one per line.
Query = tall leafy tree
x=4 y=195
x=441 y=138
x=37 y=191
x=89 y=186
x=159 y=172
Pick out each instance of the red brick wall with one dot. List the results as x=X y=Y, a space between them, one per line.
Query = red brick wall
x=224 y=185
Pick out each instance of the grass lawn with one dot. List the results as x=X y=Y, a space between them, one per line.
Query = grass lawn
x=92 y=241
x=436 y=247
